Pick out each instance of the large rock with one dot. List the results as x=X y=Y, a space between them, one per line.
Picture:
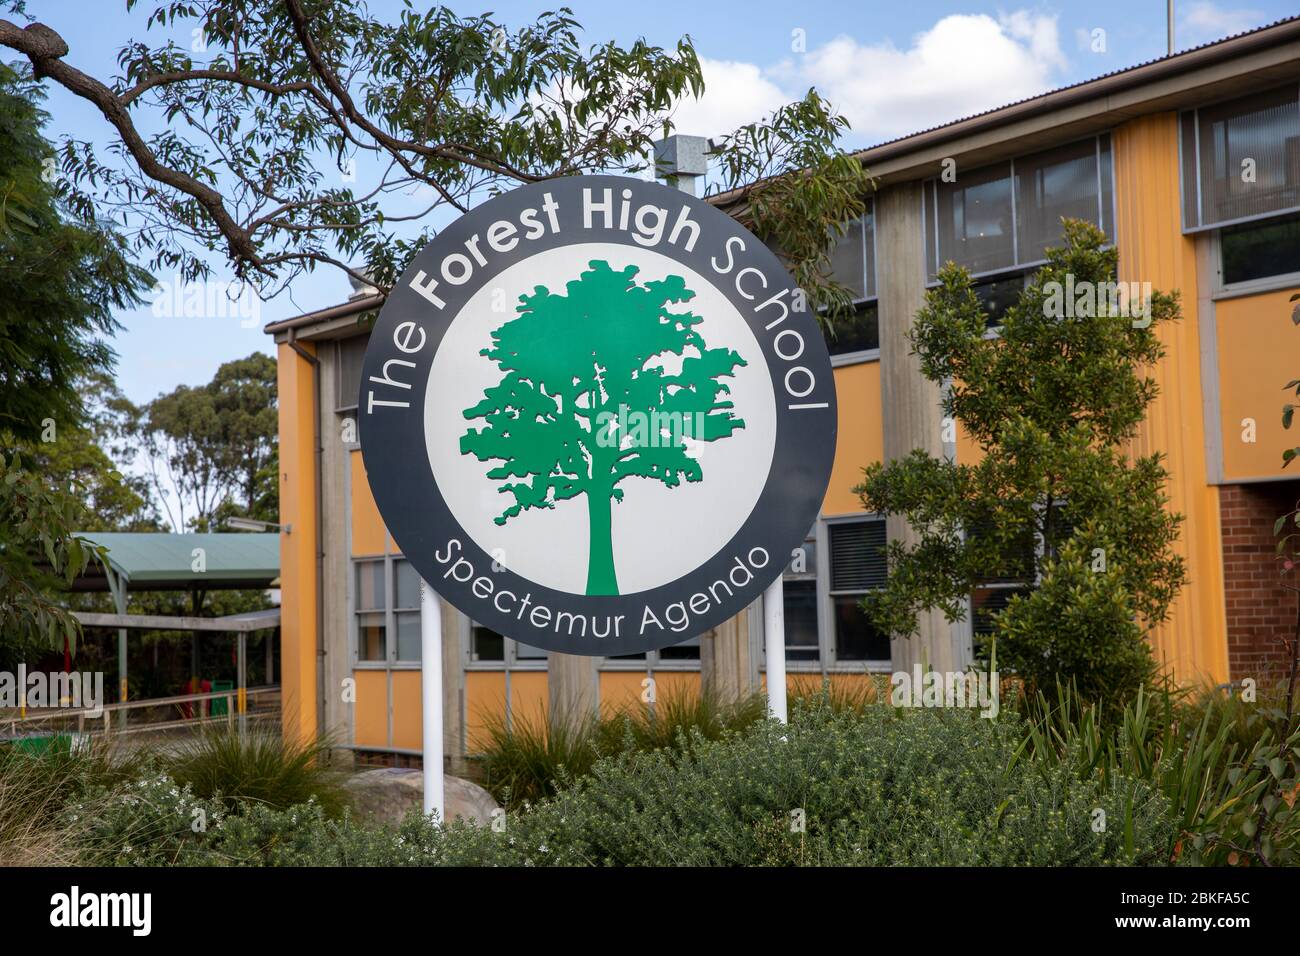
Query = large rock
x=386 y=795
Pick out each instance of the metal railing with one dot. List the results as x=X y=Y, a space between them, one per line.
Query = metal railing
x=241 y=704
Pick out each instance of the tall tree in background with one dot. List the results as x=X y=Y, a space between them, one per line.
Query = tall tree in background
x=290 y=102
x=209 y=448
x=1055 y=504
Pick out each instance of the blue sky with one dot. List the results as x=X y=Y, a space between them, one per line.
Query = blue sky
x=891 y=67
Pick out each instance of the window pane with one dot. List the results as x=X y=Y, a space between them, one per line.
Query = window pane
x=808 y=561
x=801 y=620
x=685 y=651
x=527 y=652
x=1249 y=156
x=407 y=582
x=974 y=220
x=408 y=635
x=856 y=638
x=1049 y=186
x=998 y=295
x=857 y=331
x=1256 y=250
x=486 y=644
x=372 y=644
x=986 y=603
x=857 y=555
x=847 y=260
x=1017 y=563
x=370 y=586
x=351 y=352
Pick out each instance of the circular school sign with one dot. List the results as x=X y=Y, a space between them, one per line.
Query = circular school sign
x=597 y=416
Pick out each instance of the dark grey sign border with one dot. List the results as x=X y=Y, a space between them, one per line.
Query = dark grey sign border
x=415 y=512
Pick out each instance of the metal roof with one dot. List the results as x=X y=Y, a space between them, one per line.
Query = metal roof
x=1135 y=68
x=157 y=560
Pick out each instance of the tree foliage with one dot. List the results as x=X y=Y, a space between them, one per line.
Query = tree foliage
x=578 y=367
x=267 y=133
x=61 y=276
x=1057 y=501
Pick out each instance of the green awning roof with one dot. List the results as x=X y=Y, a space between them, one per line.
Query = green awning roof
x=161 y=561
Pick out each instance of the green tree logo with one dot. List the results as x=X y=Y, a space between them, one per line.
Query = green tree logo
x=576 y=369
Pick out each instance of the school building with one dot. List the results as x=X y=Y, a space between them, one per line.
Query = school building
x=1190 y=163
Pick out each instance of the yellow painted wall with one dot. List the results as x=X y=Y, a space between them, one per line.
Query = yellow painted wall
x=485 y=695
x=295 y=379
x=968 y=451
x=1259 y=352
x=861 y=440
x=370 y=712
x=528 y=701
x=408 y=726
x=1193 y=642
x=620 y=690
x=368 y=530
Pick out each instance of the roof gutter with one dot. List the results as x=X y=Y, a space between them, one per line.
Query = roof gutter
x=343 y=310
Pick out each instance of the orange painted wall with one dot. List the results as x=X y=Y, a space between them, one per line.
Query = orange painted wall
x=368 y=531
x=408 y=729
x=620 y=690
x=861 y=440
x=1193 y=642
x=485 y=695
x=296 y=383
x=1259 y=352
x=528 y=701
x=370 y=712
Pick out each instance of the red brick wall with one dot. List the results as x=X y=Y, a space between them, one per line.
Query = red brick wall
x=1260 y=610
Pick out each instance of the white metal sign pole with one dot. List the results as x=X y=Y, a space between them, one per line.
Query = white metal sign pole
x=774 y=638
x=431 y=699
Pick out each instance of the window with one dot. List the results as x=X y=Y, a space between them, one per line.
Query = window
x=999 y=294
x=802 y=638
x=995 y=590
x=1257 y=250
x=386 y=603
x=853 y=264
x=406 y=610
x=1006 y=216
x=486 y=644
x=349 y=355
x=371 y=605
x=857 y=565
x=1017 y=572
x=1241 y=159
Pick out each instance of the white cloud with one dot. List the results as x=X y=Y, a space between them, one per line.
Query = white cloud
x=735 y=94
x=961 y=65
x=1204 y=21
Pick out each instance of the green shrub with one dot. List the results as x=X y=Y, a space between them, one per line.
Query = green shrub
x=259 y=767
x=35 y=791
x=530 y=758
x=881 y=787
x=1220 y=766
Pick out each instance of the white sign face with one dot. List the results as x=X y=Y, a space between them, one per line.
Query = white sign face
x=596 y=417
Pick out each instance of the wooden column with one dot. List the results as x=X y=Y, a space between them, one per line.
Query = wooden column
x=909 y=402
x=572 y=687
